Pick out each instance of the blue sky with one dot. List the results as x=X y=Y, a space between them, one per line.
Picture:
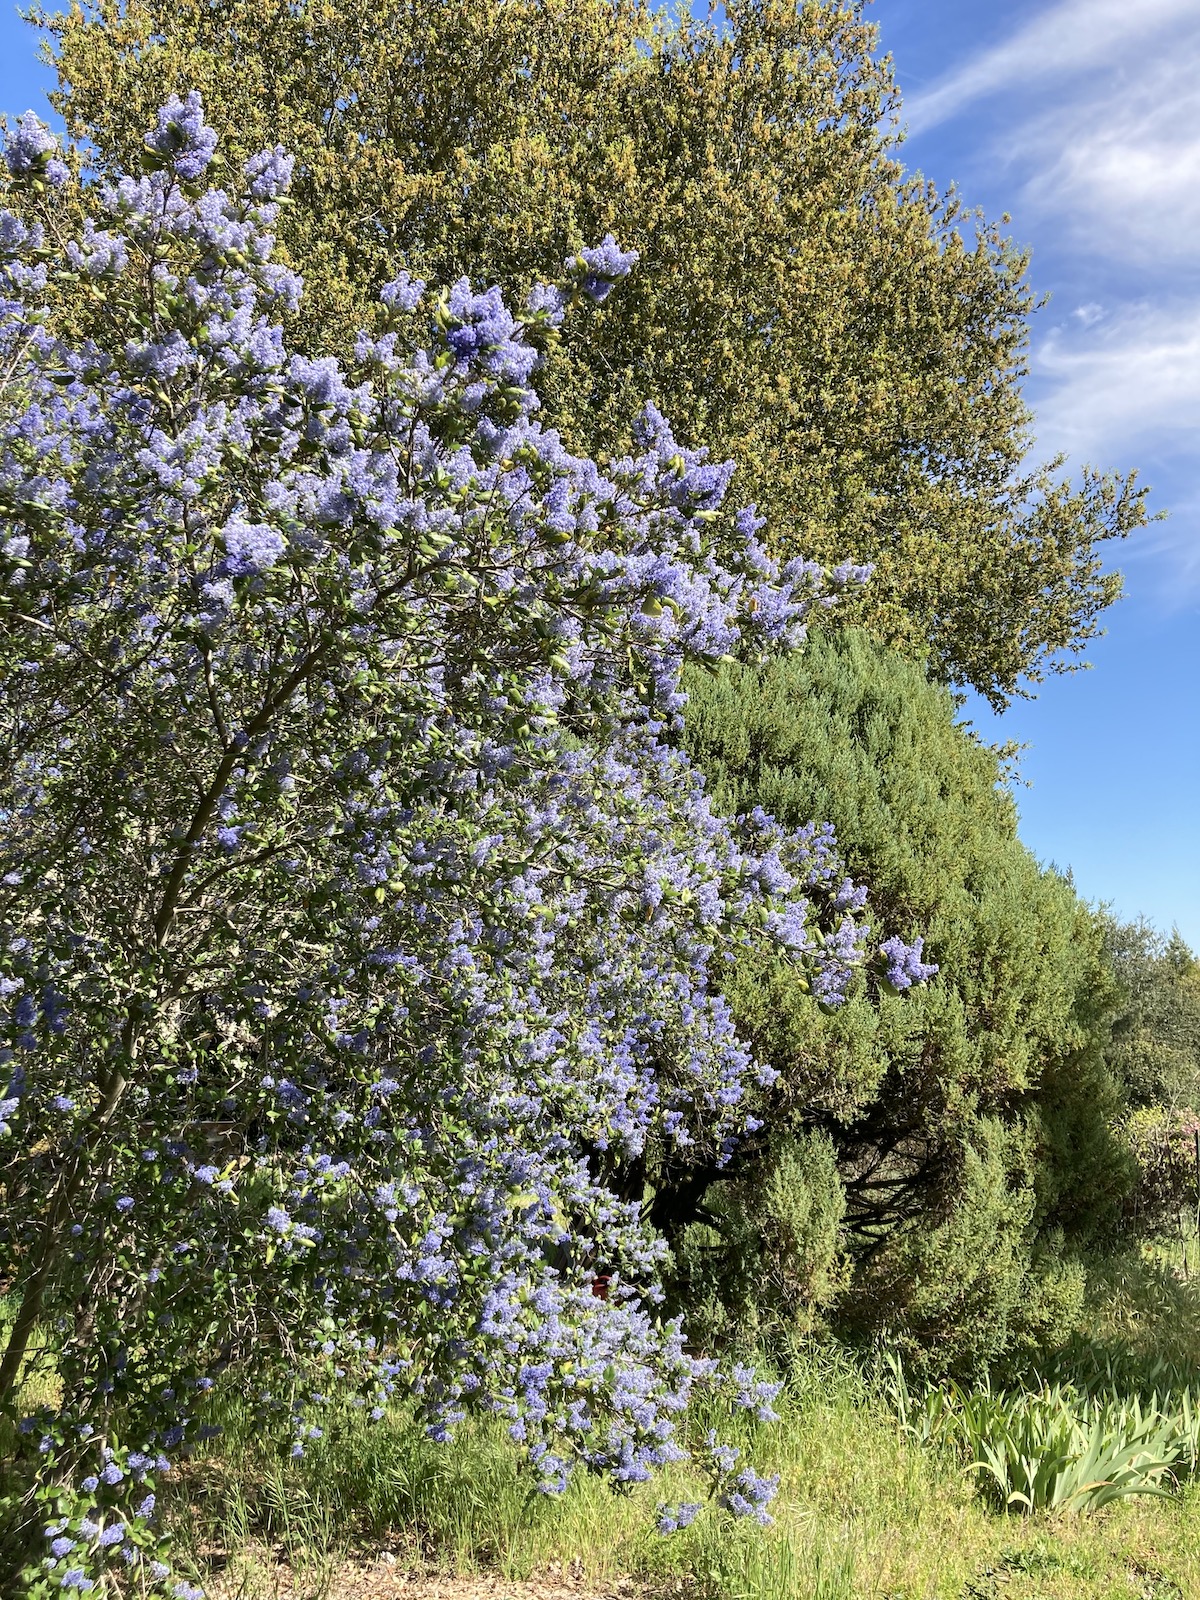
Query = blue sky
x=1081 y=119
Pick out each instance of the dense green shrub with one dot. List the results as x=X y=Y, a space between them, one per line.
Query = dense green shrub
x=1154 y=1055
x=973 y=1123
x=768 y=1258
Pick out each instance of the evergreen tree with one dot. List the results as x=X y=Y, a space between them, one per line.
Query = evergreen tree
x=1155 y=1050
x=1155 y=1056
x=853 y=338
x=973 y=1122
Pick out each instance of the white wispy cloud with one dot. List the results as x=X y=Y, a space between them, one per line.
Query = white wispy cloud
x=1125 y=392
x=1130 y=382
x=1072 y=38
x=1095 y=133
x=1119 y=166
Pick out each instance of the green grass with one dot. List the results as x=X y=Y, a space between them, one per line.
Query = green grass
x=868 y=1508
x=864 y=1510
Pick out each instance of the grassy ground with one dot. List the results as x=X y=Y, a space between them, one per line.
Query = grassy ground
x=864 y=1511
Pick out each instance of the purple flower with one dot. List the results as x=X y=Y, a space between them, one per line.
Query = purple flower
x=62 y=1546
x=403 y=293
x=672 y=1518
x=604 y=266
x=182 y=137
x=903 y=964
x=269 y=173
x=31 y=150
x=547 y=300
x=99 y=253
x=749 y=1495
x=251 y=547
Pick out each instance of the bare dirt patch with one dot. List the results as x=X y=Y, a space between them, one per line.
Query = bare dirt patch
x=386 y=1579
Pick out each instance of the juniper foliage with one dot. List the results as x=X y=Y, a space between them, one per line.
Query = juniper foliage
x=974 y=1125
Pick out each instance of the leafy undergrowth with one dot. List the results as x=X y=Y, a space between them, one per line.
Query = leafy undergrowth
x=1058 y=1446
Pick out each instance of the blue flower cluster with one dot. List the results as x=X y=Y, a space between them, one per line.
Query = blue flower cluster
x=103 y=1531
x=359 y=911
x=601 y=268
x=31 y=152
x=183 y=139
x=902 y=964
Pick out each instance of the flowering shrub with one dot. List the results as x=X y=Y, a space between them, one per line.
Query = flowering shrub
x=358 y=905
x=102 y=1528
x=877 y=409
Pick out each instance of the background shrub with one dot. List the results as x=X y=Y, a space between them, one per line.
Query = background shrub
x=973 y=1126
